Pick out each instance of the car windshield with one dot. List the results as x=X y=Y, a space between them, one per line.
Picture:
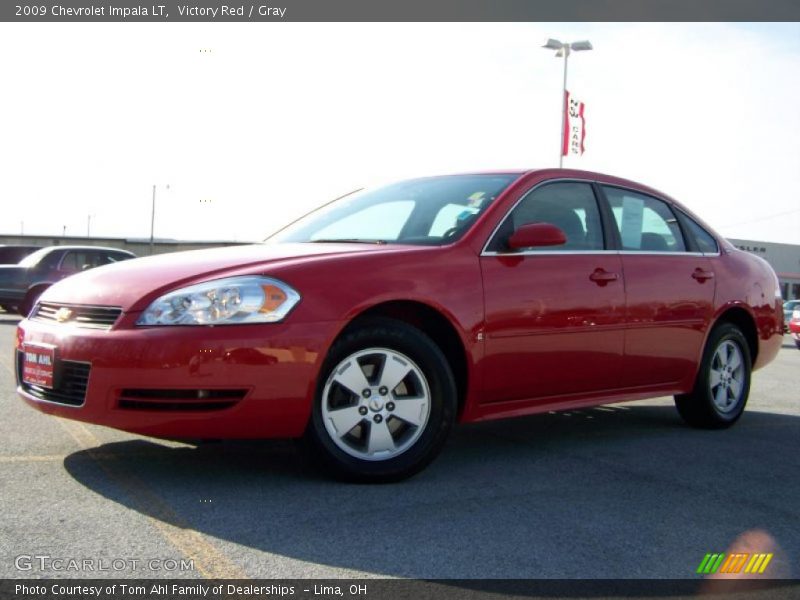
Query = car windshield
x=33 y=259
x=430 y=211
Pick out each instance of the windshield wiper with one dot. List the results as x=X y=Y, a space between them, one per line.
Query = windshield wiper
x=347 y=241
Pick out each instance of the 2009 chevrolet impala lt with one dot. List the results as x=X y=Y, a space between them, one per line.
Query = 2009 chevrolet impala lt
x=370 y=326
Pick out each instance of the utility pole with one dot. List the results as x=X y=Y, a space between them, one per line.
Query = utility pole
x=152 y=219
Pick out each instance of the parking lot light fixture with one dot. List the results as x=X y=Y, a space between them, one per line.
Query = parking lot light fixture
x=563 y=49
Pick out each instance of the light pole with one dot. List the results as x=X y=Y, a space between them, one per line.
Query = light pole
x=153 y=218
x=564 y=49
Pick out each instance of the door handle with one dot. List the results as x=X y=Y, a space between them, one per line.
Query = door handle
x=602 y=277
x=702 y=275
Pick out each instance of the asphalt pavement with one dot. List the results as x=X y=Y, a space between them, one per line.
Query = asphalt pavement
x=620 y=491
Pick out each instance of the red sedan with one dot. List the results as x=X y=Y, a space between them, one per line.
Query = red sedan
x=370 y=326
x=794 y=327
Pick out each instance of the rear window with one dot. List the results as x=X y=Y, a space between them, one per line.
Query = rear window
x=704 y=240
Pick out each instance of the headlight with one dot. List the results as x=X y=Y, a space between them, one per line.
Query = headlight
x=223 y=302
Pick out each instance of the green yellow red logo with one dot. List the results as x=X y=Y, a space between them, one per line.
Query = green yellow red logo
x=736 y=562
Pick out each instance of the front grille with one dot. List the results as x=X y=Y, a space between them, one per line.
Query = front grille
x=71 y=379
x=92 y=317
x=180 y=400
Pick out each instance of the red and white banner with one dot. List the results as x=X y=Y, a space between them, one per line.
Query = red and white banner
x=574 y=126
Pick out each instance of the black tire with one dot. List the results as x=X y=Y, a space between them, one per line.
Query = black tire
x=31 y=297
x=797 y=343
x=699 y=408
x=424 y=442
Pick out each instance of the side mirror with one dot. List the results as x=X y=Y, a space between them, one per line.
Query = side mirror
x=534 y=235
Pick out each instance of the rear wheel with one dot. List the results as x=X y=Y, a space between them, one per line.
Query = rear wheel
x=723 y=382
x=385 y=403
x=797 y=343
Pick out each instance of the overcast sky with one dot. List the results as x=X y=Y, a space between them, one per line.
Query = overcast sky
x=251 y=124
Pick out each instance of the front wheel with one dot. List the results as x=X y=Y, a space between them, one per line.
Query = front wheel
x=385 y=403
x=723 y=381
x=31 y=297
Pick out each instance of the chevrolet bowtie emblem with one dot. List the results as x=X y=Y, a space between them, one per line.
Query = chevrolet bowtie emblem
x=63 y=314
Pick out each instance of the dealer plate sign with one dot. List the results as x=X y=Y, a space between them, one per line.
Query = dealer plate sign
x=38 y=364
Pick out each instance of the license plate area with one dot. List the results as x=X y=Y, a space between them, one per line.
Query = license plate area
x=39 y=365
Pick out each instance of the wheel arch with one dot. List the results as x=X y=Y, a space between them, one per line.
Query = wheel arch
x=33 y=292
x=436 y=325
x=745 y=321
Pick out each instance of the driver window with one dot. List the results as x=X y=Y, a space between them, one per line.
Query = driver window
x=70 y=262
x=569 y=206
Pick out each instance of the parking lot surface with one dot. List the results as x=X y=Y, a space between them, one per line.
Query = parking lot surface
x=621 y=491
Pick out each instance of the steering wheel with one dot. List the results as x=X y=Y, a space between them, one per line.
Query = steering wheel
x=450 y=232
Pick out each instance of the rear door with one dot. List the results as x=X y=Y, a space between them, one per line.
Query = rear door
x=669 y=286
x=554 y=315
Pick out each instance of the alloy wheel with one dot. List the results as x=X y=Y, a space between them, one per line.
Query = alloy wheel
x=726 y=376
x=376 y=404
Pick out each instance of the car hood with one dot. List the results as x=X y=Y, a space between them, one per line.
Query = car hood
x=133 y=284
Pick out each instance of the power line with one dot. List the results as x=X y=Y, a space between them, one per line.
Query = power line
x=767 y=218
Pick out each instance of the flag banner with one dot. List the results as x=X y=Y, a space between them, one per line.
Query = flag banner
x=574 y=126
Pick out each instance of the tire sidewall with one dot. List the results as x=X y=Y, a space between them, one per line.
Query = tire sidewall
x=30 y=299
x=398 y=336
x=725 y=333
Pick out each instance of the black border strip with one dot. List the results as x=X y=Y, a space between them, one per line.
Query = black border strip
x=391 y=589
x=406 y=10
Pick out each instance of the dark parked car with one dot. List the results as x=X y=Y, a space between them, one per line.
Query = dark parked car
x=13 y=253
x=371 y=326
x=23 y=283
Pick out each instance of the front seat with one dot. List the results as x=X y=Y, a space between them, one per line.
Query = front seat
x=566 y=220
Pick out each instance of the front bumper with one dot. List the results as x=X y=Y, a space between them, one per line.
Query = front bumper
x=273 y=368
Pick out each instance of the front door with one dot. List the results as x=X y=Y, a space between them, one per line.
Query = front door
x=554 y=315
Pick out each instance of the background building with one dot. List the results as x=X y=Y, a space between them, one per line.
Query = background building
x=139 y=246
x=784 y=258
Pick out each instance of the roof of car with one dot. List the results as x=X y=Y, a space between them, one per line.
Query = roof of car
x=104 y=248
x=562 y=172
